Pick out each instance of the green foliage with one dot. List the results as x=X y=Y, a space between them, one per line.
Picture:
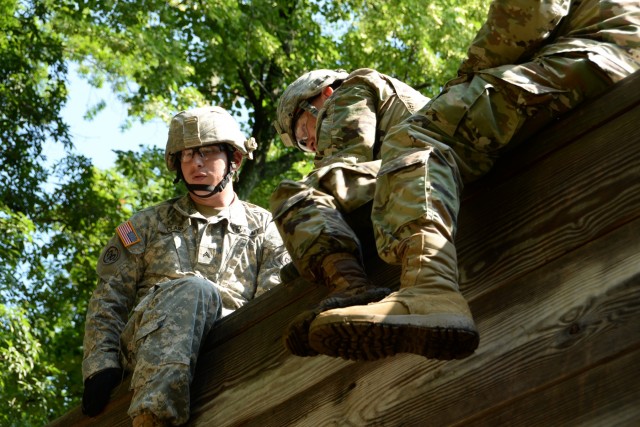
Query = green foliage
x=20 y=353
x=282 y=163
x=159 y=57
x=420 y=43
x=32 y=92
x=53 y=274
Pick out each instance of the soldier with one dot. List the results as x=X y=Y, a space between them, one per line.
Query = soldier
x=173 y=269
x=321 y=218
x=531 y=62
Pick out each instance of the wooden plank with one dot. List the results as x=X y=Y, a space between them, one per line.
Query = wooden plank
x=533 y=332
x=114 y=415
x=517 y=226
x=606 y=395
x=298 y=293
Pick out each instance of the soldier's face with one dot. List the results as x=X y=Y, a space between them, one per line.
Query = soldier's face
x=305 y=126
x=206 y=169
x=306 y=132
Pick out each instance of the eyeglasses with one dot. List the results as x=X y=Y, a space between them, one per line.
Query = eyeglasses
x=205 y=152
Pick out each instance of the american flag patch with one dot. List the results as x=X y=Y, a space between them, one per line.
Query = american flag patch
x=127 y=234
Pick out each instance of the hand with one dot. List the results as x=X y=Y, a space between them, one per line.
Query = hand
x=97 y=390
x=288 y=273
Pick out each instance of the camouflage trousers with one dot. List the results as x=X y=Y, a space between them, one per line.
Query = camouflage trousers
x=161 y=342
x=426 y=160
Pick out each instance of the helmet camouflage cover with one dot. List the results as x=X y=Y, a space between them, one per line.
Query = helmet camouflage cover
x=205 y=126
x=304 y=88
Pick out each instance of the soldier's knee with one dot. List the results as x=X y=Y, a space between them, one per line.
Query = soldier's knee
x=195 y=287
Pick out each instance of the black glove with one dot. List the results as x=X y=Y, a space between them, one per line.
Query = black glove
x=97 y=390
x=288 y=273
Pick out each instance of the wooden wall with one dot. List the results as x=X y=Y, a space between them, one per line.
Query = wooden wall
x=549 y=248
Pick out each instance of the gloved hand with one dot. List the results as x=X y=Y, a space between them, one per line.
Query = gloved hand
x=288 y=273
x=97 y=390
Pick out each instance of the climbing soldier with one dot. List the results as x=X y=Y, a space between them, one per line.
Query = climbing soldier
x=531 y=62
x=342 y=118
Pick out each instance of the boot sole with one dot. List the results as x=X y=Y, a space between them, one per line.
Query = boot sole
x=373 y=337
x=296 y=337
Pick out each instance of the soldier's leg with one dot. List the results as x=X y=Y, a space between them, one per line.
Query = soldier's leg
x=456 y=137
x=322 y=245
x=414 y=215
x=169 y=326
x=502 y=107
x=311 y=226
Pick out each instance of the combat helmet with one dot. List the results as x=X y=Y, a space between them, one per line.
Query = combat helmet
x=203 y=126
x=295 y=98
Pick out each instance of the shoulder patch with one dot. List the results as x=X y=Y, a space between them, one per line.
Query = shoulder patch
x=111 y=255
x=127 y=234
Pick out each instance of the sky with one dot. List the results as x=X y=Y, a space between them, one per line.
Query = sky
x=98 y=138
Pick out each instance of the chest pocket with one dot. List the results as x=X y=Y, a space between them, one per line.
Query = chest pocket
x=222 y=247
x=168 y=254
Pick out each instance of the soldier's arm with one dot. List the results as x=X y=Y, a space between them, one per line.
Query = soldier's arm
x=273 y=257
x=347 y=123
x=107 y=313
x=514 y=30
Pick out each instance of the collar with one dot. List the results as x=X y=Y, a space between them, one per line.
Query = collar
x=235 y=213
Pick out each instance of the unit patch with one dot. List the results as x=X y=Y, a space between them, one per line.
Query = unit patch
x=127 y=234
x=111 y=255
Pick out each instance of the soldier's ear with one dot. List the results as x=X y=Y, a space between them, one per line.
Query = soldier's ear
x=236 y=160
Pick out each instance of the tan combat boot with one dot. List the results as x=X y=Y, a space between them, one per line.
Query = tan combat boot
x=427 y=316
x=147 y=419
x=345 y=276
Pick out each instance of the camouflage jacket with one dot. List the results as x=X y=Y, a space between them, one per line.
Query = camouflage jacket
x=350 y=128
x=354 y=120
x=239 y=250
x=516 y=31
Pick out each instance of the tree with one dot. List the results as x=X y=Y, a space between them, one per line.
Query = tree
x=43 y=308
x=165 y=56
x=159 y=57
x=32 y=92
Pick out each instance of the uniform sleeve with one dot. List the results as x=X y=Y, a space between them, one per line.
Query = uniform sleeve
x=118 y=272
x=514 y=30
x=274 y=257
x=347 y=124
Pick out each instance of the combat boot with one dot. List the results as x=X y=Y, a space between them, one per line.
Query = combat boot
x=147 y=419
x=427 y=316
x=345 y=276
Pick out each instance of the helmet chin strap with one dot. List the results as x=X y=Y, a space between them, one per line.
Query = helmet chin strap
x=212 y=189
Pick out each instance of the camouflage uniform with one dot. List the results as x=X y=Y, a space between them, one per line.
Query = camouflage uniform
x=350 y=129
x=179 y=272
x=566 y=51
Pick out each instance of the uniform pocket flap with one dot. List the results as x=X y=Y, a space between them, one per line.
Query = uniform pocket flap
x=418 y=157
x=149 y=326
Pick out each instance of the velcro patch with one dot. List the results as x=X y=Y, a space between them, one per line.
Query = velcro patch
x=127 y=234
x=111 y=255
